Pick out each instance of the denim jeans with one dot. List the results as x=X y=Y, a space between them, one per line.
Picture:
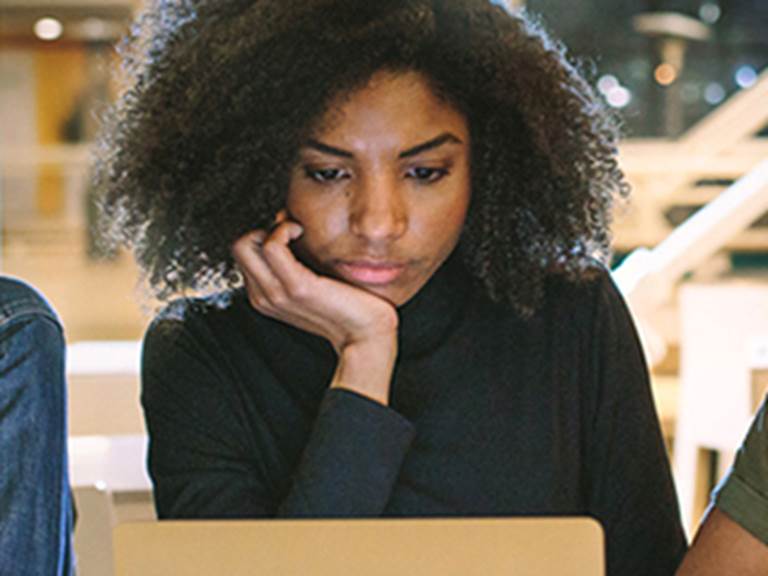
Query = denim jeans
x=35 y=501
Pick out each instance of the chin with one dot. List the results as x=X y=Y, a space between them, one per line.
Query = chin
x=396 y=296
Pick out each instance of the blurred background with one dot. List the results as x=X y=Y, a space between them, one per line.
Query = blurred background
x=691 y=248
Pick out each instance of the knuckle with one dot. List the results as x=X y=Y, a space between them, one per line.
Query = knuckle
x=237 y=253
x=298 y=292
x=258 y=301
x=278 y=299
x=271 y=249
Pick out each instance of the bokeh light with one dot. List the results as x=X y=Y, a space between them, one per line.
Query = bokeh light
x=709 y=12
x=745 y=76
x=665 y=74
x=48 y=29
x=618 y=96
x=607 y=83
x=714 y=93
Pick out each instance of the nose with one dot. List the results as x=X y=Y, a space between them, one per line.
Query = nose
x=378 y=210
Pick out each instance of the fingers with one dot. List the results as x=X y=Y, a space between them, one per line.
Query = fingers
x=293 y=275
x=273 y=275
x=261 y=283
x=283 y=288
x=281 y=217
x=247 y=247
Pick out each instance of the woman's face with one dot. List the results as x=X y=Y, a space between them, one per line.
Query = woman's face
x=382 y=187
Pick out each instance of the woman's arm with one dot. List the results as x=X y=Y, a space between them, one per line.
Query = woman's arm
x=361 y=327
x=204 y=460
x=213 y=453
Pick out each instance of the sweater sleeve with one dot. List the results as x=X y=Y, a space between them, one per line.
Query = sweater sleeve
x=632 y=492
x=206 y=462
x=352 y=459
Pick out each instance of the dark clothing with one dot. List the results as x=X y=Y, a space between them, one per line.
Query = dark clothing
x=490 y=415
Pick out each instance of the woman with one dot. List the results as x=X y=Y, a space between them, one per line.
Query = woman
x=400 y=205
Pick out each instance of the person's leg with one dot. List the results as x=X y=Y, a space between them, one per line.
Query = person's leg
x=35 y=501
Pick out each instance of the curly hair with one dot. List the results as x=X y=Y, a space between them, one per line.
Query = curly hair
x=221 y=94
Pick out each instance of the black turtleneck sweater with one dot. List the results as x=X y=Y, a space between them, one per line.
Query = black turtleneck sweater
x=490 y=415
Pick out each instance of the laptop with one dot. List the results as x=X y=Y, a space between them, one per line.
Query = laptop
x=421 y=547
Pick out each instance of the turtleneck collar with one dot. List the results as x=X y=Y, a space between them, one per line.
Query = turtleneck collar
x=427 y=317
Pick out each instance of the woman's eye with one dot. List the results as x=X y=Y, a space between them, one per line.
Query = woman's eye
x=424 y=174
x=325 y=174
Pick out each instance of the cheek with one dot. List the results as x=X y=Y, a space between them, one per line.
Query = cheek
x=322 y=222
x=454 y=214
x=446 y=222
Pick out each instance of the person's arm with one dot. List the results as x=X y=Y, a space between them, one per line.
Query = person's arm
x=361 y=327
x=723 y=548
x=208 y=459
x=204 y=465
x=35 y=504
x=632 y=492
x=733 y=538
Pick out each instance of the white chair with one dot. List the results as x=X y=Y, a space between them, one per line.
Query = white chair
x=107 y=447
x=93 y=531
x=103 y=385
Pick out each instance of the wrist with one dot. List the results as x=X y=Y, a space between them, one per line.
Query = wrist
x=366 y=367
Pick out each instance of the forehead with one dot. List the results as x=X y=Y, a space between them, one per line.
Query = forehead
x=391 y=109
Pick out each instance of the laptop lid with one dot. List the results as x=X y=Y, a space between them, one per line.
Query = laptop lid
x=387 y=547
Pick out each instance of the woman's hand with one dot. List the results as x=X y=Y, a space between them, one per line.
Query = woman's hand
x=361 y=326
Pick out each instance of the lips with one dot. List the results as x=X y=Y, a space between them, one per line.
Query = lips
x=370 y=272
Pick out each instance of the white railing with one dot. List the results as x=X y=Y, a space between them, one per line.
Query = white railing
x=646 y=277
x=720 y=146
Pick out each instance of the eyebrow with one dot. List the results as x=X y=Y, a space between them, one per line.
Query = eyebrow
x=444 y=138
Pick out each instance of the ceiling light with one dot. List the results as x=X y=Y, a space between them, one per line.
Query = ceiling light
x=745 y=76
x=665 y=74
x=48 y=29
x=709 y=12
x=714 y=93
x=607 y=83
x=618 y=97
